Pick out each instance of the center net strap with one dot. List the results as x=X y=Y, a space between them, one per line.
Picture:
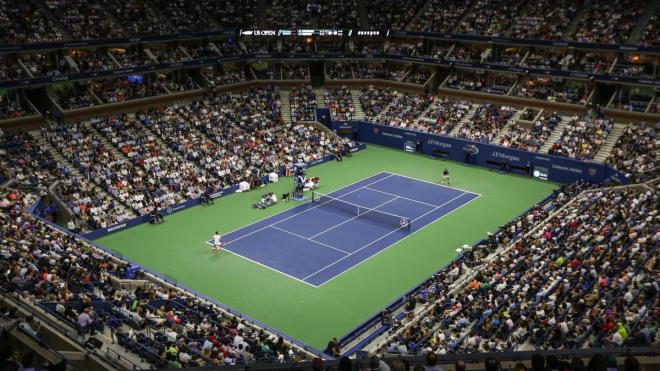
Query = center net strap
x=401 y=222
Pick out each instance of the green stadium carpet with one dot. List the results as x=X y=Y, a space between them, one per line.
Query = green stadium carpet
x=178 y=248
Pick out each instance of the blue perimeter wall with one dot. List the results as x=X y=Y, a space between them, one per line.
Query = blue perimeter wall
x=559 y=169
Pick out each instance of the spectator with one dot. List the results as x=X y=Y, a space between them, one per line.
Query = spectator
x=432 y=362
x=85 y=322
x=631 y=364
x=492 y=364
x=609 y=23
x=582 y=137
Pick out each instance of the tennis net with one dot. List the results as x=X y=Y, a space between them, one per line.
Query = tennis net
x=401 y=222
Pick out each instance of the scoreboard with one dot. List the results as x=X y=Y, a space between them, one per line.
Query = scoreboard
x=315 y=32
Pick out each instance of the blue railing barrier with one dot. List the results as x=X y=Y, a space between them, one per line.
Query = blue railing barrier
x=558 y=169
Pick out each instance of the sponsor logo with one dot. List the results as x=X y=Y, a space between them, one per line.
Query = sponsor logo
x=438 y=143
x=316 y=162
x=566 y=168
x=579 y=75
x=217 y=194
x=471 y=149
x=172 y=209
x=258 y=32
x=505 y=156
x=376 y=130
x=119 y=72
x=592 y=171
x=397 y=136
x=60 y=78
x=410 y=134
x=118 y=226
x=541 y=158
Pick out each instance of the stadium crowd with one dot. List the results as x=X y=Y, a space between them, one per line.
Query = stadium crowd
x=582 y=137
x=340 y=103
x=375 y=100
x=483 y=82
x=441 y=16
x=489 y=17
x=339 y=70
x=388 y=14
x=545 y=20
x=303 y=101
x=552 y=91
x=584 y=274
x=224 y=77
x=635 y=150
x=121 y=89
x=77 y=284
x=531 y=138
x=609 y=22
x=404 y=109
x=74 y=96
x=129 y=183
x=51 y=20
x=443 y=115
x=10 y=107
x=487 y=122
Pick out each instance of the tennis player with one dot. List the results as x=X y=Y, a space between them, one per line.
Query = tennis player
x=217 y=242
x=445 y=177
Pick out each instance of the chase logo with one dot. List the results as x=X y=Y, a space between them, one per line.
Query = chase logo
x=592 y=171
x=170 y=210
x=471 y=149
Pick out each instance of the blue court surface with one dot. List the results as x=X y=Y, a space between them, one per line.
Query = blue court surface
x=318 y=241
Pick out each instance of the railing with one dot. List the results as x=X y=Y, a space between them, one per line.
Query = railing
x=206 y=62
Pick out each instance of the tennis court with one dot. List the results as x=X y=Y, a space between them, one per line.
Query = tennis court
x=314 y=314
x=330 y=234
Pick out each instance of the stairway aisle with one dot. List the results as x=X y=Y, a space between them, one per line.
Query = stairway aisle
x=43 y=143
x=320 y=97
x=286 y=105
x=468 y=117
x=359 y=111
x=556 y=134
x=607 y=147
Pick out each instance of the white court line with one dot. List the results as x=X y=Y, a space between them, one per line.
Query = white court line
x=302 y=212
x=397 y=242
x=435 y=184
x=309 y=239
x=380 y=238
x=401 y=197
x=271 y=268
x=355 y=217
